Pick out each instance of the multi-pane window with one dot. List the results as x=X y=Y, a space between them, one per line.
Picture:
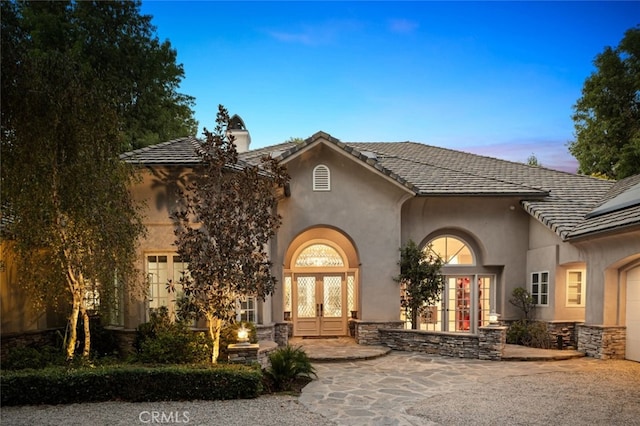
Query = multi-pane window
x=540 y=288
x=160 y=270
x=247 y=309
x=575 y=288
x=452 y=251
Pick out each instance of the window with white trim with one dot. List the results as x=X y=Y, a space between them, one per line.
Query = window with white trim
x=451 y=250
x=540 y=288
x=247 y=309
x=162 y=268
x=321 y=178
x=575 y=288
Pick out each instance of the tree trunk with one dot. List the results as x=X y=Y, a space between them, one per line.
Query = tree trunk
x=73 y=324
x=414 y=318
x=215 y=326
x=87 y=332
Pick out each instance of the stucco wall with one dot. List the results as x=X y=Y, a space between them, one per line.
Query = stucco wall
x=363 y=206
x=498 y=228
x=607 y=257
x=547 y=252
x=157 y=191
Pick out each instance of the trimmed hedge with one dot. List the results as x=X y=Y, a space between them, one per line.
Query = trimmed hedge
x=129 y=383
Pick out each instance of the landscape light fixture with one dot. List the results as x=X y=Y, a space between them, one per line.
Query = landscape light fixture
x=243 y=336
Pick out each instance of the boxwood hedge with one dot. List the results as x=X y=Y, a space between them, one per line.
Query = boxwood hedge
x=59 y=385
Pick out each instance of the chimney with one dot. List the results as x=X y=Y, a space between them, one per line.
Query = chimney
x=240 y=133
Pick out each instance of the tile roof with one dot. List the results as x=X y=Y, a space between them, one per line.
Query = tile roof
x=176 y=152
x=558 y=199
x=626 y=215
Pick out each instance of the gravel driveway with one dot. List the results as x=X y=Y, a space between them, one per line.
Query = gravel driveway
x=457 y=392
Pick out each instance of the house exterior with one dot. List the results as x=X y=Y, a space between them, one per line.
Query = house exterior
x=573 y=241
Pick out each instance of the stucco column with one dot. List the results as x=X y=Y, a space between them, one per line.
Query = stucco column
x=601 y=306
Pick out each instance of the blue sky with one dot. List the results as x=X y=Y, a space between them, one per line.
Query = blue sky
x=494 y=78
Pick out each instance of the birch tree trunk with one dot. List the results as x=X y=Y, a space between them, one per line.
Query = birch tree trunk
x=87 y=332
x=73 y=324
x=215 y=326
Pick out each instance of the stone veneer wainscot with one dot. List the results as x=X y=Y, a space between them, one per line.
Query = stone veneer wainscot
x=602 y=342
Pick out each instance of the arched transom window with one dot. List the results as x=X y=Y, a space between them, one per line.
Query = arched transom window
x=321 y=255
x=452 y=251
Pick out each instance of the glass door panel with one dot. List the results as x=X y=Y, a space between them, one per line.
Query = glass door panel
x=463 y=304
x=457 y=303
x=306 y=287
x=484 y=299
x=332 y=289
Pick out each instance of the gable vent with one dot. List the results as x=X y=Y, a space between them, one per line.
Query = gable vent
x=321 y=178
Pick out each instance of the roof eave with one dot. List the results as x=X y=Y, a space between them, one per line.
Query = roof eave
x=525 y=195
x=616 y=229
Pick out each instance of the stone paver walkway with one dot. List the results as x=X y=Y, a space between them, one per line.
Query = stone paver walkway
x=338 y=349
x=395 y=389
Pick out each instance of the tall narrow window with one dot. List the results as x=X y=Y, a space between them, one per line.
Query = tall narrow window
x=575 y=288
x=540 y=288
x=161 y=269
x=321 y=178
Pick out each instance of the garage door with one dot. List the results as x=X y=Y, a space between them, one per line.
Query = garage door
x=633 y=314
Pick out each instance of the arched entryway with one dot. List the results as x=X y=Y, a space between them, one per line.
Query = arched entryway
x=321 y=283
x=469 y=288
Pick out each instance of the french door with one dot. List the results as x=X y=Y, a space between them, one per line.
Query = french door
x=463 y=307
x=467 y=305
x=320 y=305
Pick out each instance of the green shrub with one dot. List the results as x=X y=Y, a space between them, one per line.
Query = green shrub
x=159 y=321
x=529 y=333
x=59 y=385
x=538 y=335
x=23 y=357
x=162 y=341
x=288 y=364
x=517 y=332
x=229 y=335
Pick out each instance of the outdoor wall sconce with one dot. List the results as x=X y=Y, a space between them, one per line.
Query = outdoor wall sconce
x=354 y=314
x=494 y=318
x=243 y=336
x=287 y=315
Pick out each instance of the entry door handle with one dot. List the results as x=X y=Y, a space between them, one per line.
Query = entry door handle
x=319 y=309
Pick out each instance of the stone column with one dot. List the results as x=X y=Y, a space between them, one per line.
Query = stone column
x=243 y=353
x=491 y=341
x=281 y=333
